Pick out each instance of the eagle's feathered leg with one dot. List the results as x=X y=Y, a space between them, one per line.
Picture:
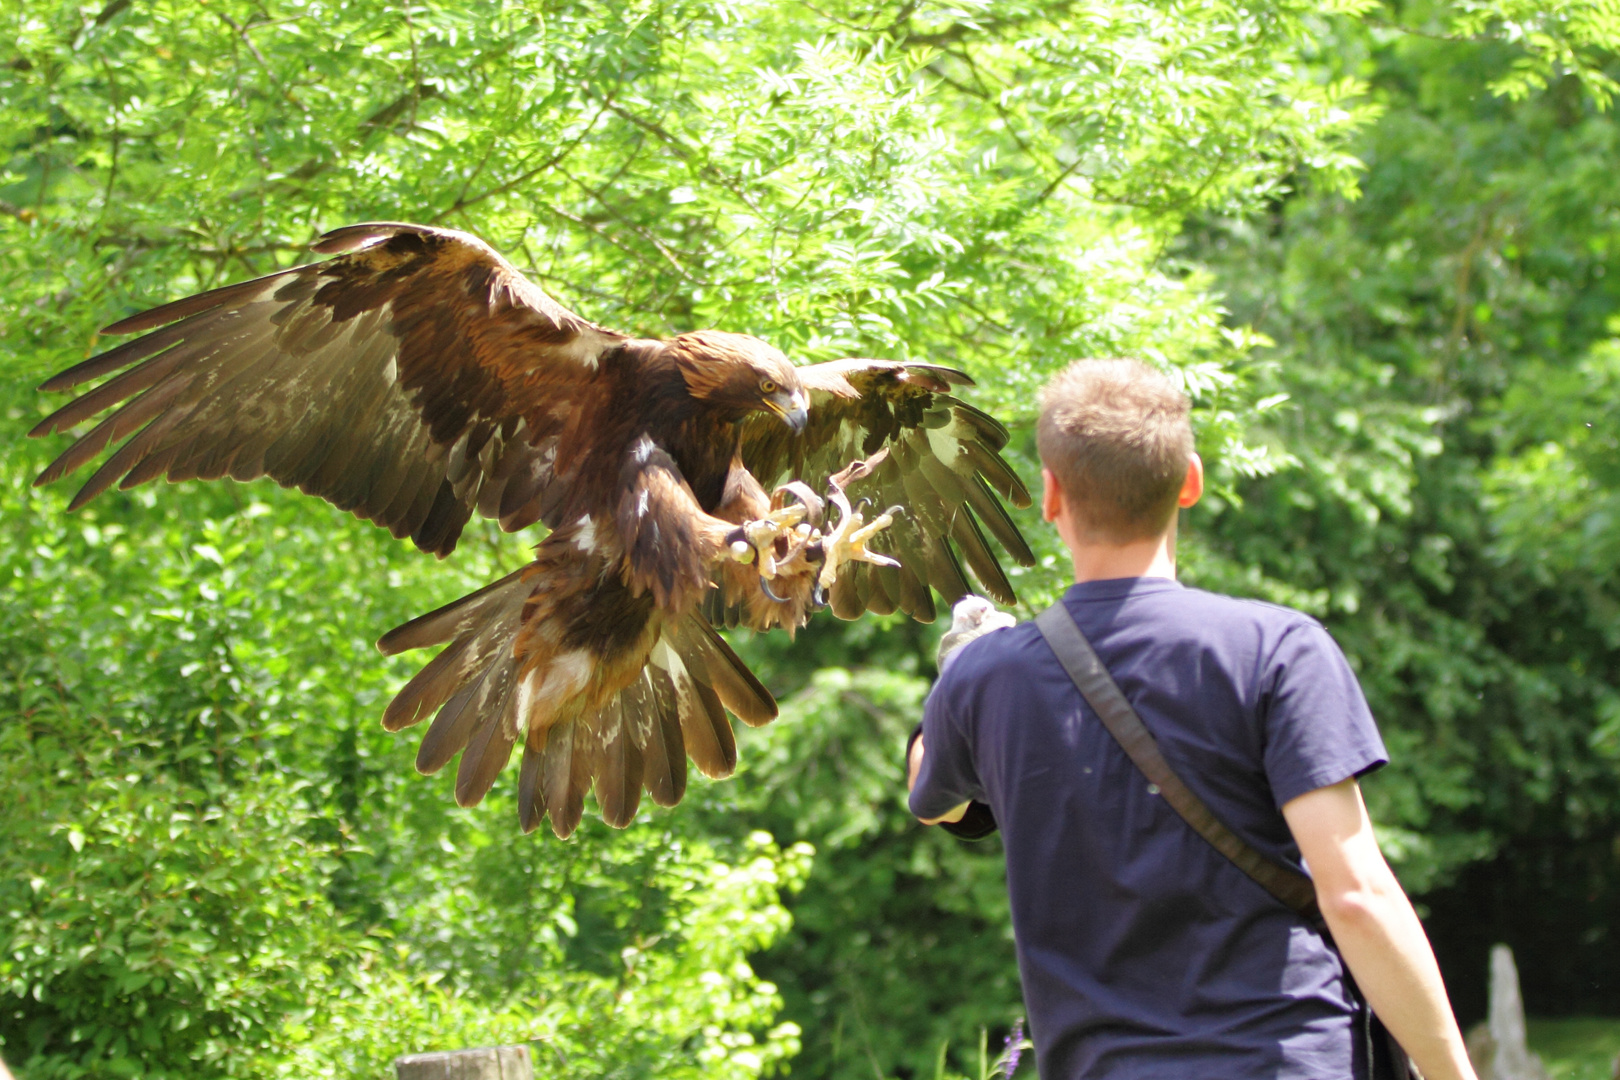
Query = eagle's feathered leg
x=595 y=658
x=768 y=576
x=616 y=689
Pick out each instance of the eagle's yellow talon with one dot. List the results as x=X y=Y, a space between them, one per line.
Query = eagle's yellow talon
x=760 y=536
x=848 y=539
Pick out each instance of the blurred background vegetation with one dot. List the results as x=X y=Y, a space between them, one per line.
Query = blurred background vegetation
x=1375 y=238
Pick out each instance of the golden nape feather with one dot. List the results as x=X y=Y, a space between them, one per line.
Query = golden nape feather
x=416 y=378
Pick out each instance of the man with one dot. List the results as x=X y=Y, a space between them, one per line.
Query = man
x=1144 y=952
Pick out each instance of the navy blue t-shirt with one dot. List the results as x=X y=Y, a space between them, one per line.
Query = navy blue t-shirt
x=1144 y=953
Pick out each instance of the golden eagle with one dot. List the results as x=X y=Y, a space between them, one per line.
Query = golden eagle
x=418 y=377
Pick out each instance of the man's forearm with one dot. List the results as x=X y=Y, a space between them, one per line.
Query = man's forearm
x=913 y=767
x=1382 y=941
x=1376 y=929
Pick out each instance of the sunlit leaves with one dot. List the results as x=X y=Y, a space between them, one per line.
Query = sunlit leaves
x=1447 y=349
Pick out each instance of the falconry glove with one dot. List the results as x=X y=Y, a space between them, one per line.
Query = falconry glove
x=971 y=619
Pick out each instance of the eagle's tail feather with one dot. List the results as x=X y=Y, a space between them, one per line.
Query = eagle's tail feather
x=530 y=808
x=618 y=779
x=490 y=747
x=471 y=684
x=685 y=655
x=711 y=662
x=504 y=678
x=457 y=617
x=453 y=728
x=654 y=720
x=709 y=738
x=564 y=776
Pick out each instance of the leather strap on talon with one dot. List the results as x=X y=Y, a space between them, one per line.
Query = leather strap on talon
x=737 y=544
x=814 y=506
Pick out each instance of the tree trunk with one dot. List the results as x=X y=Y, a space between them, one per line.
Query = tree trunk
x=486 y=1063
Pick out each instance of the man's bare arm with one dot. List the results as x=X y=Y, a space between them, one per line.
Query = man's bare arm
x=914 y=766
x=1376 y=929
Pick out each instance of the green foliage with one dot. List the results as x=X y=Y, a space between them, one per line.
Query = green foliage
x=1576 y=1049
x=217 y=864
x=638 y=968
x=148 y=922
x=911 y=929
x=1445 y=343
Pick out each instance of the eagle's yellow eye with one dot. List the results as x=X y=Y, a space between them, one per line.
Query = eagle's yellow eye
x=767 y=386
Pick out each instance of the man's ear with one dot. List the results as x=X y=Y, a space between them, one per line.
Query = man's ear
x=1192 y=488
x=1051 y=496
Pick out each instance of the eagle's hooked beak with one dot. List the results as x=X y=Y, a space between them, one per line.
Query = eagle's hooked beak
x=794 y=408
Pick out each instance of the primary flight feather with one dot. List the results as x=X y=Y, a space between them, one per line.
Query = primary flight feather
x=417 y=378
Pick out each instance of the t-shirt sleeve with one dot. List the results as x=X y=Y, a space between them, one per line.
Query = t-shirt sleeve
x=947 y=777
x=1318 y=728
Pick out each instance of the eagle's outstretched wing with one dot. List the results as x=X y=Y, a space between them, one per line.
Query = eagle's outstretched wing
x=944 y=467
x=413 y=379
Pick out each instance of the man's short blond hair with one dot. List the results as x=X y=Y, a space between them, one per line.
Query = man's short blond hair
x=1116 y=435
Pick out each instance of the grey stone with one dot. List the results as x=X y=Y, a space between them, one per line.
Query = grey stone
x=1497 y=1047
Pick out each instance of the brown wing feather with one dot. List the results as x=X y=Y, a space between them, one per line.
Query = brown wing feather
x=397 y=380
x=944 y=468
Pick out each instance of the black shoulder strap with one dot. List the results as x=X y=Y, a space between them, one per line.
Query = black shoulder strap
x=1080 y=660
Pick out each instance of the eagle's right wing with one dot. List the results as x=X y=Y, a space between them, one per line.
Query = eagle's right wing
x=943 y=467
x=413 y=379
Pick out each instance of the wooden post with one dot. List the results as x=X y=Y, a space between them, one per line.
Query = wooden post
x=486 y=1063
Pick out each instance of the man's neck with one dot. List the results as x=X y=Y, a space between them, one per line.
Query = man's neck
x=1153 y=558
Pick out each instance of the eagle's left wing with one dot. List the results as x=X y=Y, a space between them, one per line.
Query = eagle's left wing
x=943 y=467
x=414 y=379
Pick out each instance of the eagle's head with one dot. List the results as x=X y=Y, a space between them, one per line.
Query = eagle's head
x=742 y=374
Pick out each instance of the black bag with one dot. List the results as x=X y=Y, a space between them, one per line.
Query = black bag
x=1385 y=1058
